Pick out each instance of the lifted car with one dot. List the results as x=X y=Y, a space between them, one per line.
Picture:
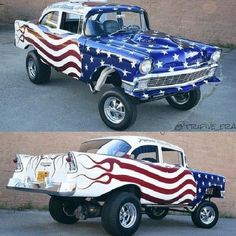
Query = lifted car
x=118 y=179
x=113 y=44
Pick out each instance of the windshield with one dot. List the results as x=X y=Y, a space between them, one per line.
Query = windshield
x=114 y=22
x=110 y=147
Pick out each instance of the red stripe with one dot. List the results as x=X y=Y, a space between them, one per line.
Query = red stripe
x=54 y=58
x=127 y=166
x=52 y=46
x=162 y=201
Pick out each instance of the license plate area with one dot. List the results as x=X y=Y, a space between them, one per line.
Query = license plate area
x=41 y=175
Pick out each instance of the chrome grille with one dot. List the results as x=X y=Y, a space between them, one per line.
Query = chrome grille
x=178 y=79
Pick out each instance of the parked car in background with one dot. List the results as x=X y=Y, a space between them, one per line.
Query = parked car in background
x=102 y=44
x=118 y=179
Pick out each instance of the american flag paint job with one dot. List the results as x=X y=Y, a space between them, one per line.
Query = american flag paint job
x=80 y=56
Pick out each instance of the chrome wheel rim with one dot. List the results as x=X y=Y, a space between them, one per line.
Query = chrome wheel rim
x=207 y=215
x=32 y=68
x=181 y=98
x=114 y=110
x=128 y=215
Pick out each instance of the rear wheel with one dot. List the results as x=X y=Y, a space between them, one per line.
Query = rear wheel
x=121 y=214
x=185 y=101
x=205 y=215
x=117 y=109
x=156 y=213
x=62 y=210
x=38 y=72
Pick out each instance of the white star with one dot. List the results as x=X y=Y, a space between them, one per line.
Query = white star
x=171 y=69
x=149 y=50
x=161 y=92
x=194 y=85
x=108 y=54
x=166 y=46
x=131 y=52
x=110 y=40
x=112 y=67
x=86 y=67
x=198 y=63
x=209 y=184
x=218 y=179
x=151 y=45
x=176 y=57
x=82 y=55
x=180 y=47
x=203 y=183
x=139 y=38
x=205 y=81
x=212 y=177
x=199 y=190
x=98 y=51
x=180 y=89
x=199 y=175
x=121 y=59
x=125 y=72
x=153 y=38
x=102 y=63
x=88 y=48
x=206 y=177
x=133 y=64
x=159 y=64
x=164 y=52
x=186 y=64
x=91 y=59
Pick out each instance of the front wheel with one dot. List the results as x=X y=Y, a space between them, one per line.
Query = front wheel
x=185 y=101
x=62 y=210
x=117 y=109
x=205 y=215
x=121 y=214
x=156 y=213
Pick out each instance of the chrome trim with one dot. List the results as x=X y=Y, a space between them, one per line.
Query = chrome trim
x=176 y=73
x=180 y=72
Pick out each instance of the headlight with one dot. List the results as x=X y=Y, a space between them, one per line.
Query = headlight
x=216 y=56
x=145 y=67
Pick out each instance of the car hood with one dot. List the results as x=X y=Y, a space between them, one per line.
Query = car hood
x=166 y=51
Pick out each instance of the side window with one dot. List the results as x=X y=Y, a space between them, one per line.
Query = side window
x=172 y=157
x=72 y=22
x=146 y=153
x=50 y=20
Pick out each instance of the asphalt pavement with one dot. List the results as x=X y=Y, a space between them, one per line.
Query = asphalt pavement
x=68 y=105
x=40 y=223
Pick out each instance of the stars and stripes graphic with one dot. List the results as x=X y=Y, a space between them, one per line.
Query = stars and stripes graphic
x=63 y=53
x=158 y=184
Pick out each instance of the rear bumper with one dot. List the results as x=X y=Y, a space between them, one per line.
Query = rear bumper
x=57 y=189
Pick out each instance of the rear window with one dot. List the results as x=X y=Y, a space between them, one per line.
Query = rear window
x=109 y=147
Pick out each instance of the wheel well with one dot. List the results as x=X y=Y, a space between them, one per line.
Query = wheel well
x=113 y=79
x=213 y=191
x=127 y=188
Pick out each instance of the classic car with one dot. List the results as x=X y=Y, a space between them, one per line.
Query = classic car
x=118 y=179
x=102 y=44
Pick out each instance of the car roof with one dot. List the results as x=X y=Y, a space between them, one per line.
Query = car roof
x=136 y=141
x=89 y=8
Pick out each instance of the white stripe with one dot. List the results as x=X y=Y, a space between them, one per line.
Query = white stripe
x=54 y=52
x=167 y=197
x=55 y=42
x=60 y=63
x=72 y=70
x=186 y=197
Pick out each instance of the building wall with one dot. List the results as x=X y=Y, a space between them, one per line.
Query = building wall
x=212 y=152
x=210 y=21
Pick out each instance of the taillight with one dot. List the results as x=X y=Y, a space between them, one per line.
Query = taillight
x=72 y=163
x=17 y=161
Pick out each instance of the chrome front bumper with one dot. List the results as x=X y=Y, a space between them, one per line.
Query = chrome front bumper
x=171 y=80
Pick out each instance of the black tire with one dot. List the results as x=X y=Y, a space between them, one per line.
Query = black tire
x=199 y=217
x=62 y=209
x=38 y=72
x=111 y=219
x=185 y=101
x=128 y=109
x=156 y=213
